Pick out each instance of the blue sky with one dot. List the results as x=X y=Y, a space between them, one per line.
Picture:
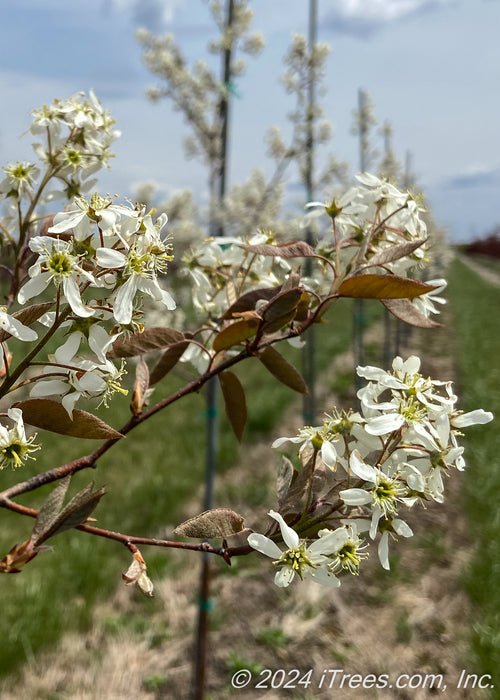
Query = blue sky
x=432 y=68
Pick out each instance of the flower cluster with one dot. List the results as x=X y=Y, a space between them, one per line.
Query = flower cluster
x=113 y=254
x=221 y=270
x=391 y=455
x=76 y=135
x=368 y=221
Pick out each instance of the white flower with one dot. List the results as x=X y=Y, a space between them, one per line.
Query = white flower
x=382 y=494
x=413 y=400
x=425 y=302
x=80 y=378
x=305 y=561
x=316 y=438
x=56 y=262
x=19 y=178
x=139 y=264
x=15 y=447
x=100 y=211
x=349 y=556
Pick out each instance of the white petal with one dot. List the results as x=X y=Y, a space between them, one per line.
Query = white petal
x=383 y=550
x=63 y=221
x=52 y=387
x=72 y=294
x=66 y=352
x=330 y=543
x=355 y=497
x=284 y=577
x=108 y=258
x=402 y=528
x=281 y=441
x=477 y=417
x=33 y=287
x=359 y=468
x=322 y=576
x=264 y=545
x=122 y=309
x=16 y=328
x=387 y=423
x=372 y=373
x=328 y=454
x=69 y=402
x=290 y=537
x=411 y=365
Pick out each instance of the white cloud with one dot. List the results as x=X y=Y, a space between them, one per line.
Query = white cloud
x=155 y=15
x=363 y=18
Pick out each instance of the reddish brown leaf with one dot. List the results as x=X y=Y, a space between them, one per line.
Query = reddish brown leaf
x=282 y=370
x=383 y=287
x=51 y=415
x=156 y=338
x=168 y=361
x=234 y=401
x=407 y=312
x=235 y=333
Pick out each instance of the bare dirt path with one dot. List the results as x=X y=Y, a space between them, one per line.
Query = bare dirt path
x=485 y=272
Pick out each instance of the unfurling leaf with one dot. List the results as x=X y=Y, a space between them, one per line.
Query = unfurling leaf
x=167 y=361
x=19 y=555
x=136 y=574
x=75 y=513
x=248 y=301
x=383 y=287
x=281 y=310
x=234 y=401
x=295 y=249
x=27 y=316
x=407 y=312
x=141 y=386
x=283 y=481
x=234 y=334
x=294 y=500
x=50 y=508
x=150 y=340
x=282 y=370
x=51 y=415
x=219 y=522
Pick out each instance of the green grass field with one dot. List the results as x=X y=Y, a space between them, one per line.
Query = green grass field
x=476 y=306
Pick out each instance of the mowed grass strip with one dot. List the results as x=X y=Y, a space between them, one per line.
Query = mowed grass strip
x=149 y=478
x=476 y=311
